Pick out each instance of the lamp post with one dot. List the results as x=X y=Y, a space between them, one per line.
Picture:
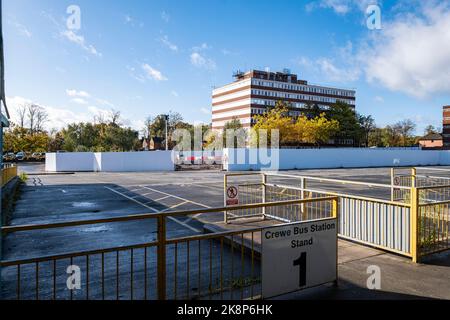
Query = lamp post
x=4 y=122
x=166 y=118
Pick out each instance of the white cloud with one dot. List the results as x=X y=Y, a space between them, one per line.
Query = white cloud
x=168 y=44
x=152 y=73
x=104 y=102
x=205 y=111
x=80 y=41
x=57 y=117
x=75 y=93
x=134 y=74
x=202 y=47
x=132 y=21
x=379 y=99
x=22 y=30
x=340 y=7
x=98 y=111
x=412 y=54
x=174 y=93
x=165 y=16
x=227 y=52
x=79 y=101
x=337 y=74
x=200 y=61
x=327 y=68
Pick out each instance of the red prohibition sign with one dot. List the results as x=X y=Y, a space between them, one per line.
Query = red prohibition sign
x=232 y=192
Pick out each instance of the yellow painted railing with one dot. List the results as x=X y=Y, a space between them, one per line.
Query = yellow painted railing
x=8 y=174
x=220 y=265
x=415 y=222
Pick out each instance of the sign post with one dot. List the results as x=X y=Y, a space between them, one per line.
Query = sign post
x=298 y=256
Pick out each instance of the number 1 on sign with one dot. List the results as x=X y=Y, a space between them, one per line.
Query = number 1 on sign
x=301 y=262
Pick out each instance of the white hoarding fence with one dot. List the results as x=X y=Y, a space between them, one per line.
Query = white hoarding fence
x=109 y=161
x=291 y=159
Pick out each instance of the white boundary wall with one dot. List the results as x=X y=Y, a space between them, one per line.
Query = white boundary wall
x=74 y=161
x=109 y=161
x=289 y=159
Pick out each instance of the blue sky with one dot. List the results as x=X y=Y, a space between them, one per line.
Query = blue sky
x=147 y=57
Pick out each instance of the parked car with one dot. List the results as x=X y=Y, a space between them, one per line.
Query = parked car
x=9 y=157
x=20 y=156
x=38 y=156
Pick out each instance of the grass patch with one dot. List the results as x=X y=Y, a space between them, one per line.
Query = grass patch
x=23 y=177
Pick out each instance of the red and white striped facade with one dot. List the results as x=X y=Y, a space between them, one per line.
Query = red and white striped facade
x=254 y=91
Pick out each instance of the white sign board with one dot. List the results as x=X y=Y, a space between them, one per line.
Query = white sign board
x=298 y=256
x=232 y=196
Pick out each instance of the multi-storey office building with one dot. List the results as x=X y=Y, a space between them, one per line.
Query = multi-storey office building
x=252 y=92
x=446 y=126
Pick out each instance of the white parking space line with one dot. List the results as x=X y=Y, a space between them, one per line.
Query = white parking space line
x=177 y=197
x=132 y=199
x=156 y=211
x=175 y=206
x=218 y=181
x=134 y=190
x=163 y=198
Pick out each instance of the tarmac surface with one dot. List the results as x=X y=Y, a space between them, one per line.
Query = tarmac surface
x=195 y=269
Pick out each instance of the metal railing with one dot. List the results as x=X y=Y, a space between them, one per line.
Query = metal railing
x=376 y=222
x=223 y=265
x=415 y=222
x=433 y=219
x=8 y=173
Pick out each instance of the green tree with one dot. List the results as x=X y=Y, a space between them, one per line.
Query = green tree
x=367 y=125
x=233 y=134
x=293 y=131
x=99 y=137
x=156 y=127
x=405 y=130
x=312 y=110
x=350 y=128
x=274 y=121
x=376 y=138
x=17 y=139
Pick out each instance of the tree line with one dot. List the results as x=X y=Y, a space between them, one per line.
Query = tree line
x=338 y=125
x=105 y=133
x=314 y=126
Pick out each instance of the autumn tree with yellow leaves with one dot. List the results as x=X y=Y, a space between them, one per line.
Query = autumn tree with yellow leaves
x=292 y=131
